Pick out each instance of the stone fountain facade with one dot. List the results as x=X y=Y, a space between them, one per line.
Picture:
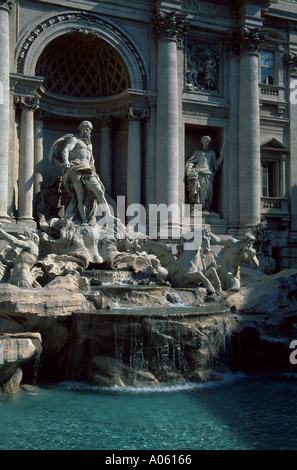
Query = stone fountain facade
x=106 y=111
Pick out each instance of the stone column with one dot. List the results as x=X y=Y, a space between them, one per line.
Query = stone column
x=105 y=166
x=169 y=29
x=26 y=164
x=232 y=140
x=250 y=42
x=38 y=150
x=134 y=118
x=5 y=8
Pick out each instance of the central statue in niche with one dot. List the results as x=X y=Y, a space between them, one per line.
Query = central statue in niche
x=74 y=155
x=200 y=171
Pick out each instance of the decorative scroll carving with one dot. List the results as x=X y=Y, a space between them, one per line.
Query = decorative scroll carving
x=170 y=26
x=6 y=5
x=27 y=102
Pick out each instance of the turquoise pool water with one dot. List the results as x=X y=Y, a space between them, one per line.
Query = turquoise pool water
x=241 y=413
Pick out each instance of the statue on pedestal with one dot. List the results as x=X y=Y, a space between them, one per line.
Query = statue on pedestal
x=200 y=172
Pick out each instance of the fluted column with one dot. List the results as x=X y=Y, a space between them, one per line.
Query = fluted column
x=134 y=118
x=5 y=8
x=105 y=153
x=26 y=164
x=249 y=129
x=169 y=29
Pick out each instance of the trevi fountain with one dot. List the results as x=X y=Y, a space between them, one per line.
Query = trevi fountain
x=91 y=300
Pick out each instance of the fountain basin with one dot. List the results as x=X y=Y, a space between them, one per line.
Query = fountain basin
x=150 y=345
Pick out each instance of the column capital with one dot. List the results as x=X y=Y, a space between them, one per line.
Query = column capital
x=6 y=5
x=27 y=102
x=247 y=40
x=134 y=114
x=170 y=26
x=103 y=121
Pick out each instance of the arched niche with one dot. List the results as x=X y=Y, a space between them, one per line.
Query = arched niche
x=39 y=36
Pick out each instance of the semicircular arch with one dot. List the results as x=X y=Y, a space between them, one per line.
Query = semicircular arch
x=35 y=40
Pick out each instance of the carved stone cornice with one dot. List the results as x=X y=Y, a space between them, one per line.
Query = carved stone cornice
x=170 y=26
x=247 y=40
x=262 y=3
x=194 y=108
x=26 y=85
x=95 y=108
x=6 y=5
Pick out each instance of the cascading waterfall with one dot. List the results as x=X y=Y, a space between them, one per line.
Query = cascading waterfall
x=141 y=346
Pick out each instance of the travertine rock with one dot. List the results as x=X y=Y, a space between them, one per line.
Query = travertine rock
x=15 y=350
x=108 y=371
x=271 y=295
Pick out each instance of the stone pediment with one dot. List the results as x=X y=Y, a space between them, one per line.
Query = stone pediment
x=274 y=145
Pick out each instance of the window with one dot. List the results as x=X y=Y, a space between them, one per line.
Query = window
x=268 y=179
x=268 y=68
x=273 y=164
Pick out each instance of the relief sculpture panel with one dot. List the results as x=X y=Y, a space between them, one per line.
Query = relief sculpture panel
x=203 y=67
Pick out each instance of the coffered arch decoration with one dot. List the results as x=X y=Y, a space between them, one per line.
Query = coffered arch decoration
x=82 y=65
x=123 y=55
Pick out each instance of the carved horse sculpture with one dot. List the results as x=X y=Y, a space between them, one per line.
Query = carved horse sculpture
x=237 y=252
x=185 y=268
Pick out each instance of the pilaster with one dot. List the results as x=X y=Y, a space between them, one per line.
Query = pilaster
x=5 y=8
